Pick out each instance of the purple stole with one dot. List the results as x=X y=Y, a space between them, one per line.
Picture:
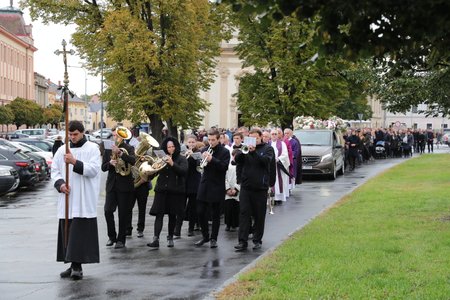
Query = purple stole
x=280 y=179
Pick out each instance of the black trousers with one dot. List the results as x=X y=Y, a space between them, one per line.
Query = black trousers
x=204 y=210
x=159 y=225
x=430 y=145
x=191 y=211
x=141 y=195
x=231 y=209
x=252 y=203
x=120 y=200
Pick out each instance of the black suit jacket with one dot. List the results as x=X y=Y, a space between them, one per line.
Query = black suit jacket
x=212 y=183
x=115 y=181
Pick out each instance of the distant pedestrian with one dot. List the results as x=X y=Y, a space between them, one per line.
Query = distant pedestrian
x=84 y=189
x=58 y=143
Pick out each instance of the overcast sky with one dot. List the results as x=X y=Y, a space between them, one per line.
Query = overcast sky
x=47 y=39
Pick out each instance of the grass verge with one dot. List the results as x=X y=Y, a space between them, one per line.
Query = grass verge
x=389 y=239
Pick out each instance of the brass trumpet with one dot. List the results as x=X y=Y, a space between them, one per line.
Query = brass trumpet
x=245 y=149
x=204 y=161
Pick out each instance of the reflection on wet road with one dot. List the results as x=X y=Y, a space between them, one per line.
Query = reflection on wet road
x=28 y=267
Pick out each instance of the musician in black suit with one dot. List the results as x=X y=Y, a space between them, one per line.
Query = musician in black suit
x=211 y=191
x=119 y=188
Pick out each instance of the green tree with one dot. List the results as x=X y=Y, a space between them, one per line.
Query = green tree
x=404 y=33
x=25 y=112
x=283 y=81
x=404 y=90
x=53 y=115
x=6 y=115
x=155 y=55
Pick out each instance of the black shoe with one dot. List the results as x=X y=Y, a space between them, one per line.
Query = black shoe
x=232 y=229
x=110 y=243
x=77 y=274
x=154 y=244
x=170 y=242
x=256 y=246
x=241 y=247
x=128 y=233
x=176 y=236
x=119 y=245
x=201 y=242
x=191 y=233
x=66 y=273
x=213 y=243
x=227 y=228
x=140 y=234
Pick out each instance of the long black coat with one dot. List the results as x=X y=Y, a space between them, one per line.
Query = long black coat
x=115 y=181
x=212 y=183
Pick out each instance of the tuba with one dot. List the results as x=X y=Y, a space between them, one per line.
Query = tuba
x=122 y=167
x=146 y=143
x=152 y=166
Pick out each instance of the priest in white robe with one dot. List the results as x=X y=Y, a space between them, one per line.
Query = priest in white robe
x=281 y=187
x=83 y=189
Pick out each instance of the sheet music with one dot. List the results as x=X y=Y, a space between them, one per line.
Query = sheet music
x=108 y=144
x=196 y=156
x=250 y=141
x=160 y=153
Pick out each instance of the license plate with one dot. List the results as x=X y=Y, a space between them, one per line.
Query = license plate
x=307 y=167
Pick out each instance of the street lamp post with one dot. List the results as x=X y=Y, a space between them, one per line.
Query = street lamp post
x=85 y=94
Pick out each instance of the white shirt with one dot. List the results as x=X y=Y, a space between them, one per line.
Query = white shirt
x=84 y=189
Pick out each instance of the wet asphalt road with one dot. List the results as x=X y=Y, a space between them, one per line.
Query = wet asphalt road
x=28 y=267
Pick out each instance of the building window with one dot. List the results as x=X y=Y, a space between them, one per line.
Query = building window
x=415 y=126
x=444 y=126
x=429 y=126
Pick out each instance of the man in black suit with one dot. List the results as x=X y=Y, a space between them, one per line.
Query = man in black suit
x=255 y=182
x=211 y=191
x=119 y=188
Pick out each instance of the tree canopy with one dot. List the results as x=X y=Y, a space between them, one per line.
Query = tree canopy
x=25 y=112
x=283 y=81
x=52 y=115
x=410 y=32
x=155 y=55
x=6 y=115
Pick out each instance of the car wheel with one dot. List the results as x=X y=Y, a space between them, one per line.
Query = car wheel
x=342 y=170
x=333 y=175
x=97 y=137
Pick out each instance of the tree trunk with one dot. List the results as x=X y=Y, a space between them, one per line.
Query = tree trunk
x=156 y=125
x=173 y=130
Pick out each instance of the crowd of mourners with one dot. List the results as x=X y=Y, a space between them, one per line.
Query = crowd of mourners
x=205 y=174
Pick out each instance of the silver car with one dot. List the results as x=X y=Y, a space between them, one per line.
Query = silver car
x=323 y=152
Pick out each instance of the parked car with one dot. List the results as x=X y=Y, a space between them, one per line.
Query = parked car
x=38 y=133
x=23 y=164
x=42 y=144
x=107 y=133
x=323 y=152
x=41 y=165
x=13 y=136
x=9 y=179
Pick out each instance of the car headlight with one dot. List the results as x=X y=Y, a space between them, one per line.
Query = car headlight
x=5 y=173
x=326 y=157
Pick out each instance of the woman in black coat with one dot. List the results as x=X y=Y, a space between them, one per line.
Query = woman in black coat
x=58 y=143
x=169 y=190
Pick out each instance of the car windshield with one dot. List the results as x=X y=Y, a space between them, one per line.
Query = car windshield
x=313 y=138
